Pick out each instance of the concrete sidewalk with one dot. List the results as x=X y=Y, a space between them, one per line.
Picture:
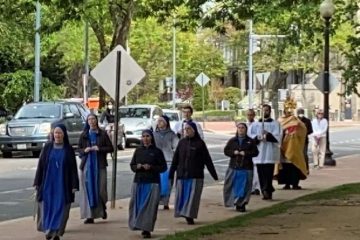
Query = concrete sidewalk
x=211 y=209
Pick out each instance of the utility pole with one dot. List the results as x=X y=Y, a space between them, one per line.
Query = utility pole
x=174 y=65
x=86 y=62
x=37 y=73
x=250 y=86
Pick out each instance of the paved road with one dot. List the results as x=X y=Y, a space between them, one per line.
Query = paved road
x=16 y=175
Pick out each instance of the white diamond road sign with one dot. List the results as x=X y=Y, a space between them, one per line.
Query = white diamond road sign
x=261 y=76
x=319 y=82
x=202 y=79
x=105 y=72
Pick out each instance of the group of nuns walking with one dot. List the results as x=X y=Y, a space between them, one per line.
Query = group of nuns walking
x=161 y=161
x=57 y=179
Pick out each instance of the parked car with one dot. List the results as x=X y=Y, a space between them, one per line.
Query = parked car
x=174 y=117
x=31 y=126
x=136 y=118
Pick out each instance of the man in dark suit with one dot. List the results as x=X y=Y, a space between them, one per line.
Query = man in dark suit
x=307 y=122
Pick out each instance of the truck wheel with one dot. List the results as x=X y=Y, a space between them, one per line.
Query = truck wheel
x=36 y=154
x=7 y=154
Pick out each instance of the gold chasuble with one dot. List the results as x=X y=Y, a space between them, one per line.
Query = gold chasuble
x=293 y=142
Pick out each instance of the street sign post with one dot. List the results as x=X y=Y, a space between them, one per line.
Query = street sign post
x=202 y=80
x=117 y=83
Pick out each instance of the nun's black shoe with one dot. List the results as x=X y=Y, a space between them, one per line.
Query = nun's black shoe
x=89 y=221
x=267 y=196
x=297 y=187
x=48 y=237
x=241 y=208
x=146 y=234
x=56 y=238
x=166 y=207
x=190 y=221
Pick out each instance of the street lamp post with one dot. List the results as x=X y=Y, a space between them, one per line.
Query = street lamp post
x=326 y=10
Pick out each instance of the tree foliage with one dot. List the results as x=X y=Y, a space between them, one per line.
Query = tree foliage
x=19 y=89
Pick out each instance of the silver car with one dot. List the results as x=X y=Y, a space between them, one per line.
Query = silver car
x=136 y=118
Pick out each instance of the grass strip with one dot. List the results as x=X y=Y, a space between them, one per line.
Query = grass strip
x=339 y=192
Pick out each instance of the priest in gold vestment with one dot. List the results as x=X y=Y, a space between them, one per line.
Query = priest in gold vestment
x=292 y=167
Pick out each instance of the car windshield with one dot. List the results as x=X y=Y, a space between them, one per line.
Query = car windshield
x=38 y=111
x=172 y=116
x=134 y=112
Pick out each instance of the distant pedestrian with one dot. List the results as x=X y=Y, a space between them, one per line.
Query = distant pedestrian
x=167 y=141
x=94 y=145
x=190 y=158
x=307 y=122
x=268 y=140
x=239 y=175
x=251 y=132
x=148 y=162
x=187 y=112
x=56 y=182
x=319 y=126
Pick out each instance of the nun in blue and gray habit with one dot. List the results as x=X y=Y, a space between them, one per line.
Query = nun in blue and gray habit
x=167 y=141
x=94 y=145
x=147 y=163
x=190 y=158
x=239 y=175
x=56 y=173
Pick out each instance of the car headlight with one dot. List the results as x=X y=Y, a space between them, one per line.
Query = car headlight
x=45 y=128
x=2 y=129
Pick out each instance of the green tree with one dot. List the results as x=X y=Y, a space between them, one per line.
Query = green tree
x=197 y=97
x=19 y=89
x=233 y=95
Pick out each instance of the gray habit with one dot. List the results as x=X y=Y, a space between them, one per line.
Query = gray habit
x=229 y=197
x=85 y=210
x=52 y=233
x=191 y=207
x=144 y=219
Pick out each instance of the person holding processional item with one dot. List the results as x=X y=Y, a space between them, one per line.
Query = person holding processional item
x=147 y=163
x=56 y=173
x=239 y=176
x=268 y=140
x=190 y=158
x=252 y=133
x=94 y=145
x=292 y=167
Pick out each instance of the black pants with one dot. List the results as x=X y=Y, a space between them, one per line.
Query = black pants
x=289 y=174
x=306 y=156
x=266 y=172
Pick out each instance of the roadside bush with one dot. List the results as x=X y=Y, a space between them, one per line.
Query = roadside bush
x=215 y=115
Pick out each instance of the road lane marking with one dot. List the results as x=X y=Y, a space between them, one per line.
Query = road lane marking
x=220 y=160
x=17 y=190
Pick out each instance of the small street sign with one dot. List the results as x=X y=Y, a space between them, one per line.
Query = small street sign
x=202 y=79
x=263 y=77
x=319 y=82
